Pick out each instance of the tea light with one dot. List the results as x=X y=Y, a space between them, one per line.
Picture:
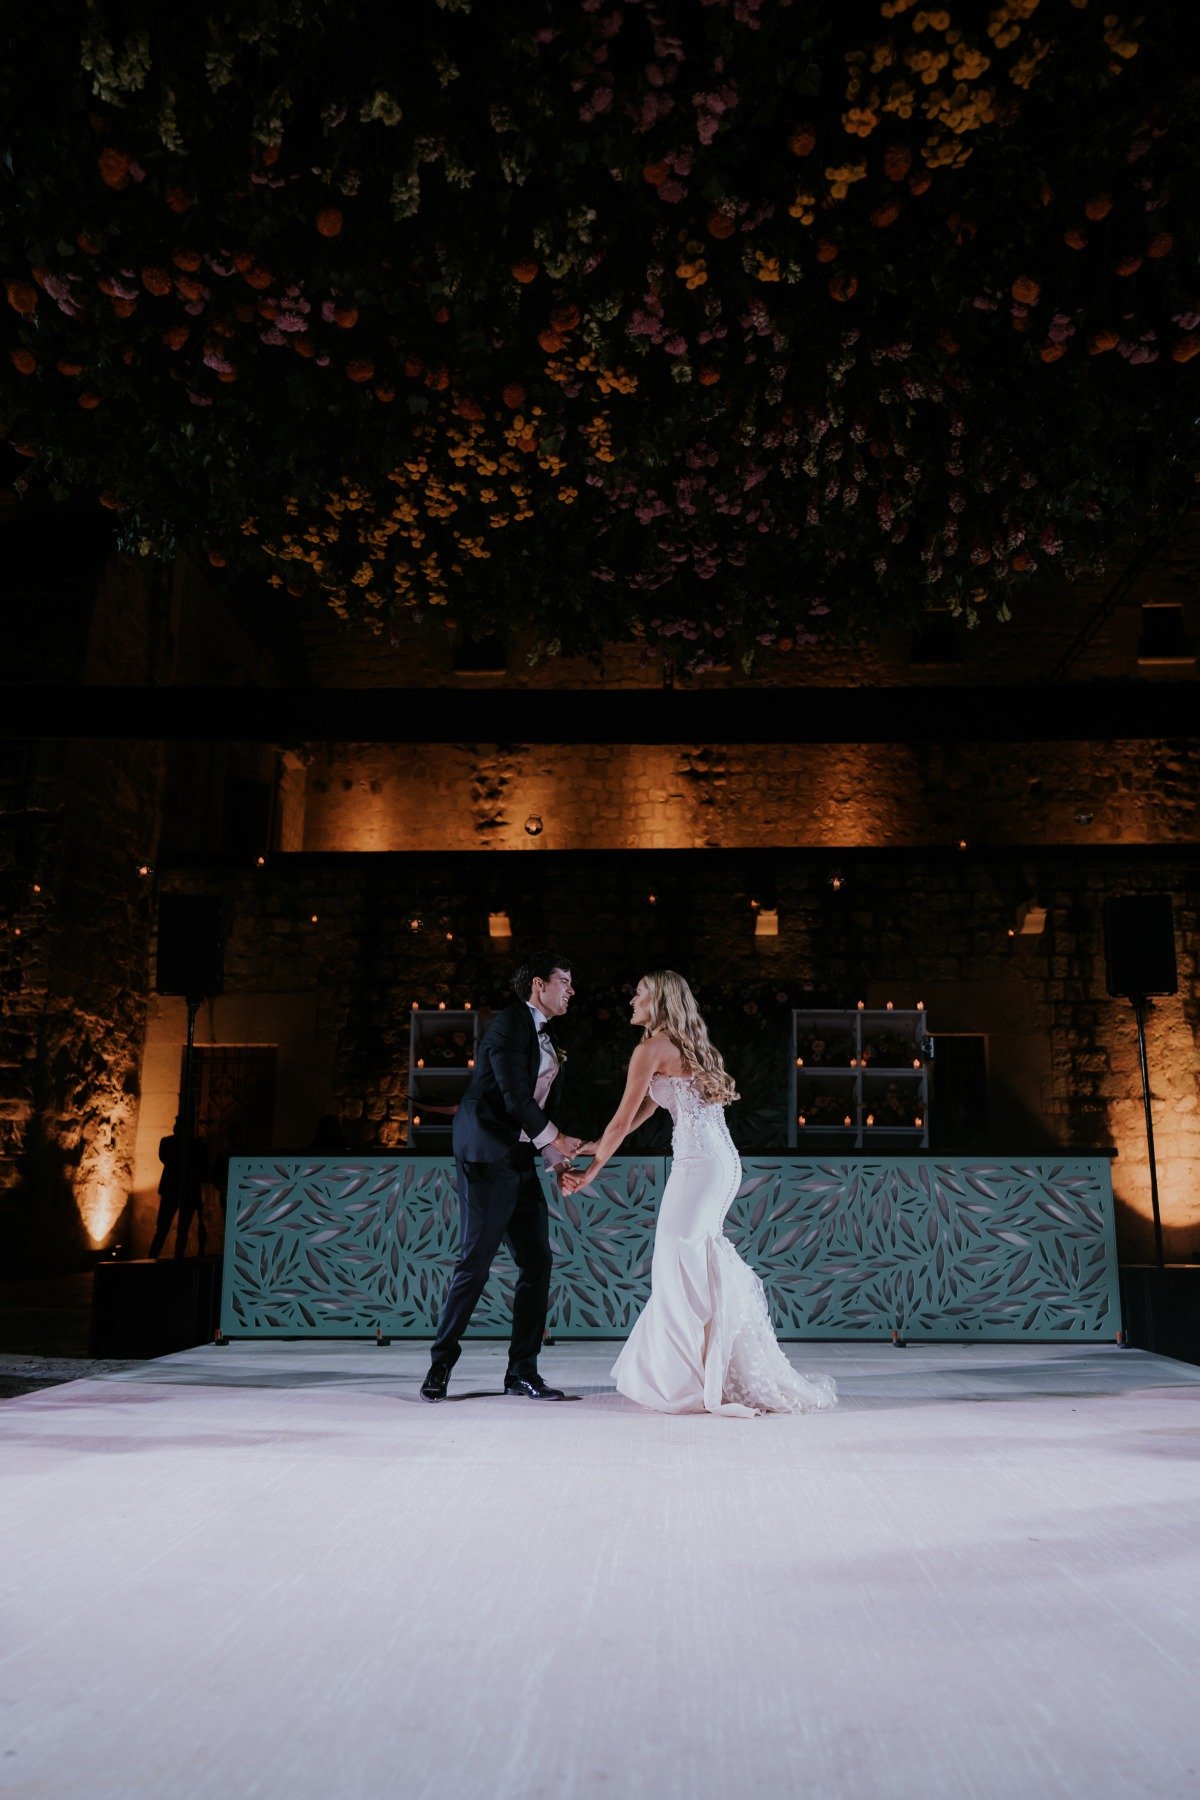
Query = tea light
x=890 y=1006
x=420 y=1062
x=441 y=1006
x=862 y=1006
x=870 y=1118
x=799 y=1062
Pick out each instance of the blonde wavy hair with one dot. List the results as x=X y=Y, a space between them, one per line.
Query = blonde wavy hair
x=674 y=1012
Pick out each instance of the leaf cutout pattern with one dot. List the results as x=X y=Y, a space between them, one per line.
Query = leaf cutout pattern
x=949 y=1248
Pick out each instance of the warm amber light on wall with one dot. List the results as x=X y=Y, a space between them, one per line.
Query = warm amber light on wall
x=499 y=925
x=766 y=922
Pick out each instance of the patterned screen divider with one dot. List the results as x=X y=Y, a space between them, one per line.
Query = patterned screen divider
x=945 y=1248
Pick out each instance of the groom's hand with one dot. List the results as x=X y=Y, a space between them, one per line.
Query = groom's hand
x=566 y=1147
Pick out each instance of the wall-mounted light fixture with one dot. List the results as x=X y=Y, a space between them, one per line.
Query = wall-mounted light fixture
x=766 y=922
x=533 y=825
x=1031 y=919
x=499 y=925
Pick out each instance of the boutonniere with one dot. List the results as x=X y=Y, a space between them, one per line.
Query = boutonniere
x=561 y=1054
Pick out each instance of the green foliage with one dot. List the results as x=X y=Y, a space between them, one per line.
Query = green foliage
x=724 y=329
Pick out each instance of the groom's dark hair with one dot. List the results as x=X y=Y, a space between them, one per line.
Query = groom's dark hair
x=540 y=966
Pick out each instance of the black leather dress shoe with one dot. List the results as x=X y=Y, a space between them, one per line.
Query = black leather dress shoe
x=531 y=1387
x=436 y=1382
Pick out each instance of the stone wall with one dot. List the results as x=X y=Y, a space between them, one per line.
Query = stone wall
x=449 y=797
x=927 y=925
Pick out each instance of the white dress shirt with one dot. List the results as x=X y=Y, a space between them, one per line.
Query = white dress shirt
x=547 y=1070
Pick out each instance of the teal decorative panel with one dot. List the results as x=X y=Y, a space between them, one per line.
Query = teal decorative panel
x=944 y=1248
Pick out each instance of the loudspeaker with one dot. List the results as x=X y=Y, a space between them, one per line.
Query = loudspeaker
x=191 y=949
x=1139 y=945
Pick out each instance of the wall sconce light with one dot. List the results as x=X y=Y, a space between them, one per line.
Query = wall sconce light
x=144 y=869
x=1031 y=919
x=962 y=843
x=260 y=862
x=314 y=918
x=837 y=881
x=1083 y=816
x=533 y=825
x=499 y=925
x=766 y=922
x=651 y=899
x=414 y=923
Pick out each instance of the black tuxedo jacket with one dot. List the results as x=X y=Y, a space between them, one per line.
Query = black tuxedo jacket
x=499 y=1104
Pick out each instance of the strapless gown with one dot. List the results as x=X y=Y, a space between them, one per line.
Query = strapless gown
x=704 y=1342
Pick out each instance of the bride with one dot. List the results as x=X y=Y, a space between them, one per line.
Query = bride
x=704 y=1341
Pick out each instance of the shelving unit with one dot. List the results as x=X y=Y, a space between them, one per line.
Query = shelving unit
x=860 y=1080
x=441 y=1056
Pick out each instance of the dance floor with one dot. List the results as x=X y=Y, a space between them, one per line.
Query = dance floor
x=270 y=1572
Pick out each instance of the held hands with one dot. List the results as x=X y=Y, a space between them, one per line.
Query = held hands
x=567 y=1146
x=571 y=1180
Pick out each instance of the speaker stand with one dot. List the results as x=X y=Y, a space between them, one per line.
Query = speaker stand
x=187 y=1107
x=1139 y=1004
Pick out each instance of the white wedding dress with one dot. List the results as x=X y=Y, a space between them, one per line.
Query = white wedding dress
x=704 y=1341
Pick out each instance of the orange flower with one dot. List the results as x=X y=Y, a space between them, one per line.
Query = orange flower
x=156 y=281
x=886 y=215
x=948 y=343
x=385 y=394
x=468 y=409
x=442 y=315
x=329 y=221
x=655 y=173
x=124 y=309
x=720 y=225
x=1051 y=352
x=1100 y=341
x=1020 y=562
x=843 y=287
x=564 y=318
x=708 y=377
x=244 y=314
x=177 y=200
x=187 y=259
x=108 y=500
x=258 y=279
x=1160 y=244
x=175 y=337
x=1026 y=290
x=190 y=290
x=114 y=168
x=216 y=559
x=303 y=347
x=89 y=402
x=22 y=297
x=1074 y=239
x=897 y=161
x=243 y=261
x=360 y=370
x=1099 y=207
x=23 y=361
x=346 y=317
x=803 y=141
x=525 y=272
x=551 y=342
x=89 y=245
x=1187 y=347
x=25 y=449
x=1129 y=265
x=826 y=252
x=514 y=396
x=413 y=366
x=919 y=184
x=270 y=155
x=70 y=368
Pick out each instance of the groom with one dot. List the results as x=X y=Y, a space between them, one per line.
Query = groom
x=499 y=1127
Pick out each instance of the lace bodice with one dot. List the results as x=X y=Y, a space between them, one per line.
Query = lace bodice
x=699 y=1124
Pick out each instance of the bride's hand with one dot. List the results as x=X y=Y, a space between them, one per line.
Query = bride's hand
x=571 y=1180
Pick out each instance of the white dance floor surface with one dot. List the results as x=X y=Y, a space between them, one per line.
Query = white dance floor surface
x=273 y=1571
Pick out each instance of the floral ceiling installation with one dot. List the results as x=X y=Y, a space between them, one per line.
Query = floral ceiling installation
x=722 y=324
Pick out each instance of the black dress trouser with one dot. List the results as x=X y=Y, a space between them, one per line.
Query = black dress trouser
x=500 y=1202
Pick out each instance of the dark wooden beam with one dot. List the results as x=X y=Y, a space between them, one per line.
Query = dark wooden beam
x=1091 y=712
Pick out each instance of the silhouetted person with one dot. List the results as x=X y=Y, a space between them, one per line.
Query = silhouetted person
x=180 y=1193
x=329 y=1137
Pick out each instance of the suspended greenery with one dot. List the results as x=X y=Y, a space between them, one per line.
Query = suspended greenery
x=727 y=323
